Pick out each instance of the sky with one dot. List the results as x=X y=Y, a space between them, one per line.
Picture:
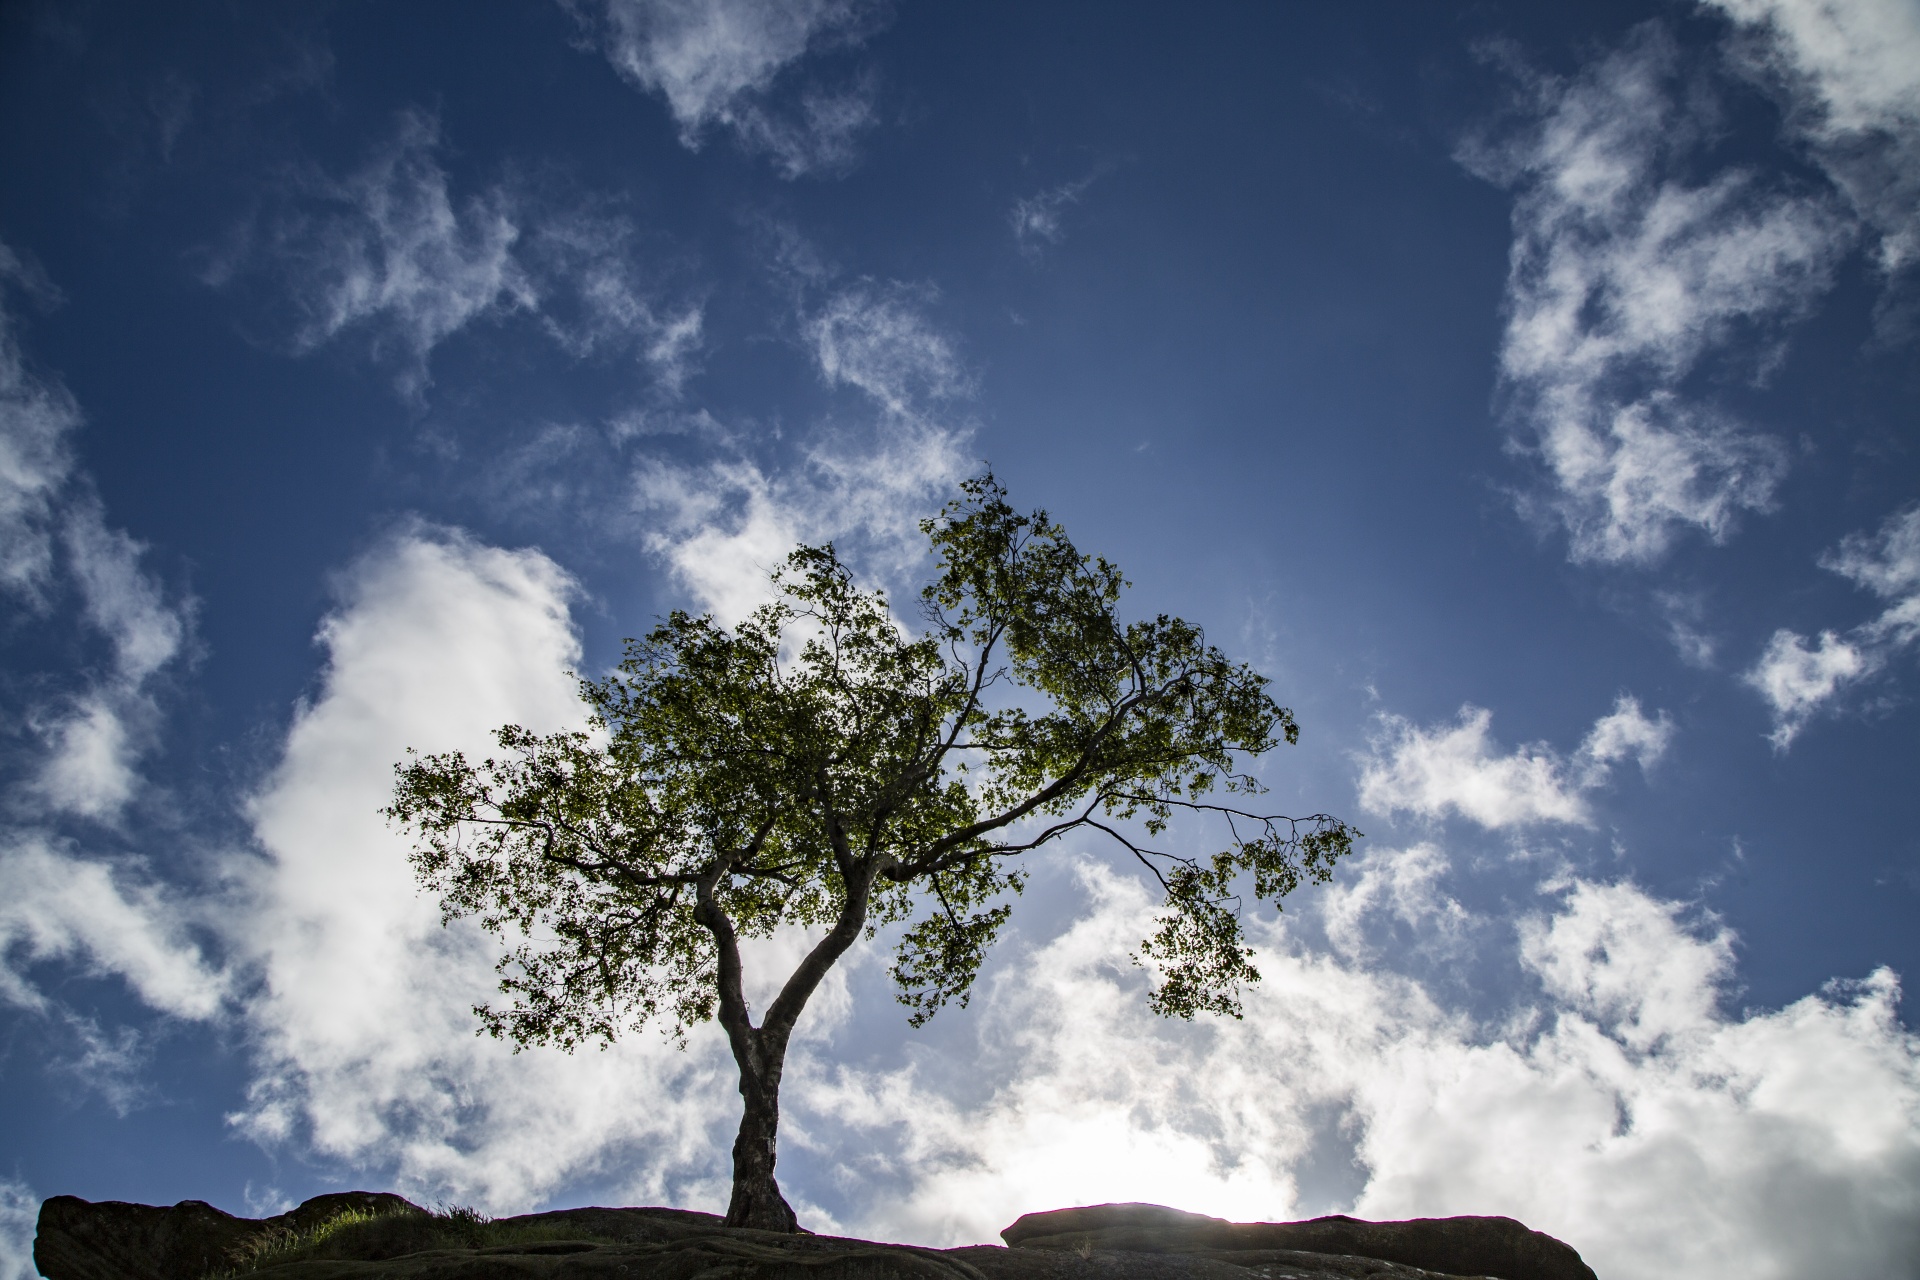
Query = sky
x=1530 y=391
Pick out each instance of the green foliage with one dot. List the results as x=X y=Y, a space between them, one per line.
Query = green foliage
x=279 y=1244
x=820 y=764
x=372 y=1236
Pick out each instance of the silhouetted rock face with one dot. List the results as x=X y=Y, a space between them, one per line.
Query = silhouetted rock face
x=82 y=1241
x=1465 y=1246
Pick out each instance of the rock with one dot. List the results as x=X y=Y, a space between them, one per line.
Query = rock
x=82 y=1241
x=112 y=1240
x=1464 y=1246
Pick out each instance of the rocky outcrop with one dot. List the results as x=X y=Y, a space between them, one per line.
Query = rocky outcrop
x=82 y=1241
x=111 y=1240
x=1465 y=1246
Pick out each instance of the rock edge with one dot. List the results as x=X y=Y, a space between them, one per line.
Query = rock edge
x=79 y=1240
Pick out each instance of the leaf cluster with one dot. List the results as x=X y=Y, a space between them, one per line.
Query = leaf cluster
x=822 y=764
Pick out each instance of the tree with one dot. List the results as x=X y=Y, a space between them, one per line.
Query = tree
x=819 y=765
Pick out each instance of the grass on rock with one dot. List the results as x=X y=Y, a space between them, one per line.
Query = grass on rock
x=373 y=1236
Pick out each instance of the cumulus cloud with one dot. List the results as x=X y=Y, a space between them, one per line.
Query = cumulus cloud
x=1459 y=768
x=390 y=253
x=1850 y=75
x=1797 y=678
x=1619 y=1107
x=716 y=63
x=1625 y=277
x=1406 y=885
x=364 y=1043
x=723 y=525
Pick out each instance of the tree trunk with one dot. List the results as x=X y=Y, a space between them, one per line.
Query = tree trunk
x=757 y=1201
x=761 y=1052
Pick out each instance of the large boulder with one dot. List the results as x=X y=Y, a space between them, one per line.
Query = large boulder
x=111 y=1240
x=1464 y=1246
x=398 y=1241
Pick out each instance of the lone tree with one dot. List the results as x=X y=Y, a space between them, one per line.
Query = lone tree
x=818 y=765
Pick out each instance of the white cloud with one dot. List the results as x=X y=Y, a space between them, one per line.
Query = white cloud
x=1886 y=563
x=54 y=539
x=1036 y=219
x=1406 y=883
x=19 y=1218
x=396 y=254
x=1850 y=72
x=1460 y=769
x=716 y=63
x=1623 y=1112
x=91 y=766
x=96 y=737
x=102 y=920
x=724 y=525
x=1623 y=280
x=878 y=339
x=37 y=419
x=364 y=1041
x=124 y=603
x=390 y=252
x=111 y=1064
x=593 y=299
x=1796 y=679
x=1624 y=733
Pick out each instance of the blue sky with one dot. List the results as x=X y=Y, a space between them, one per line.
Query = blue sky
x=1530 y=391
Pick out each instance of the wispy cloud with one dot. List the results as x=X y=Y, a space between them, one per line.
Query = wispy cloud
x=716 y=63
x=1038 y=219
x=1626 y=276
x=1589 y=1110
x=55 y=543
x=877 y=339
x=1850 y=74
x=390 y=253
x=725 y=524
x=102 y=921
x=1459 y=769
x=1799 y=677
x=91 y=716
x=37 y=419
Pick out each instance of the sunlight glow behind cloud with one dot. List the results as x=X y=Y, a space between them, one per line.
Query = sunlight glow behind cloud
x=668 y=360
x=1621 y=1110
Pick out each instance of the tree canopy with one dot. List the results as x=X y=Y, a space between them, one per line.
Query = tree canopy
x=824 y=764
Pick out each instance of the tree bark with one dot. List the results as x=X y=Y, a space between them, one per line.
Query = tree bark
x=756 y=1200
x=761 y=1052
